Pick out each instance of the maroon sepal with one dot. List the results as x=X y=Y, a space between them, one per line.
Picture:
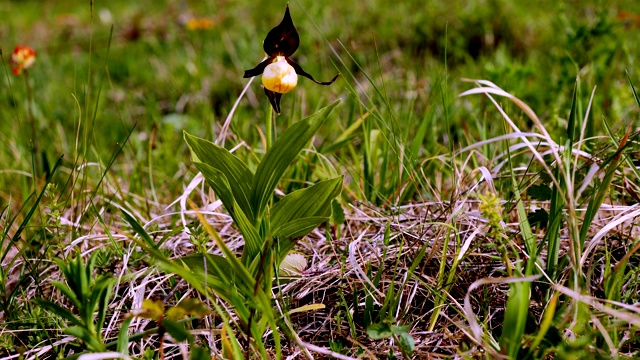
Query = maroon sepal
x=300 y=71
x=274 y=99
x=257 y=70
x=282 y=39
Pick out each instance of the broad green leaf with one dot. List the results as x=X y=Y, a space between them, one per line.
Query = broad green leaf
x=236 y=172
x=214 y=263
x=220 y=274
x=337 y=213
x=400 y=329
x=406 y=342
x=199 y=353
x=379 y=331
x=223 y=290
x=176 y=330
x=314 y=201
x=220 y=184
x=298 y=228
x=280 y=156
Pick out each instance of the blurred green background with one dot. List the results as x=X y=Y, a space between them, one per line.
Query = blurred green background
x=157 y=75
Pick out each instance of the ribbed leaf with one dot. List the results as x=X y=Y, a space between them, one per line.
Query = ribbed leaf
x=221 y=289
x=314 y=201
x=299 y=227
x=196 y=262
x=280 y=156
x=236 y=172
x=220 y=184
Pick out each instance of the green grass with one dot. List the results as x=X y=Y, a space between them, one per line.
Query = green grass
x=439 y=191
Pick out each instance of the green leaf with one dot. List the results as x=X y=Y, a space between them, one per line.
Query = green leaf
x=298 y=228
x=223 y=290
x=103 y=287
x=314 y=201
x=135 y=225
x=196 y=262
x=379 y=331
x=123 y=337
x=199 y=353
x=337 y=213
x=220 y=184
x=236 y=172
x=176 y=330
x=604 y=188
x=280 y=156
x=89 y=339
x=539 y=192
x=400 y=329
x=406 y=342
x=59 y=310
x=515 y=317
x=67 y=292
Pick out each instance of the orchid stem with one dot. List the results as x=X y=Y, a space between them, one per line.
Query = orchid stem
x=269 y=129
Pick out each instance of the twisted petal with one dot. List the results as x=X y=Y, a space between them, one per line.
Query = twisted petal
x=282 y=39
x=301 y=72
x=257 y=70
x=274 y=99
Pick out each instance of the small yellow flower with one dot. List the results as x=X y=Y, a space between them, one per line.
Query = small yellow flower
x=22 y=58
x=279 y=72
x=195 y=23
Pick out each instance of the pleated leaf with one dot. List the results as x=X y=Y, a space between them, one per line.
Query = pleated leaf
x=220 y=184
x=236 y=172
x=280 y=156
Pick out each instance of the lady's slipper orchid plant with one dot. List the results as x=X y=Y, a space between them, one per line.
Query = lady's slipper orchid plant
x=22 y=58
x=279 y=72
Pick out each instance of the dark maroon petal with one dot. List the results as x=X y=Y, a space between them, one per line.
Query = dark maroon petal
x=299 y=71
x=274 y=99
x=257 y=70
x=282 y=39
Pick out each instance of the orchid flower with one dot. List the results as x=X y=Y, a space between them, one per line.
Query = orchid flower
x=279 y=72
